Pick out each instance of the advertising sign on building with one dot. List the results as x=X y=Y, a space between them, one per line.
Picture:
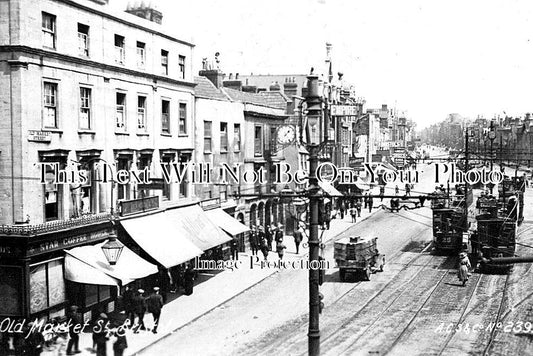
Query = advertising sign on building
x=39 y=136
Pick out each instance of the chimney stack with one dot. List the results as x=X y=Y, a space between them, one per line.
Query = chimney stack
x=146 y=11
x=214 y=75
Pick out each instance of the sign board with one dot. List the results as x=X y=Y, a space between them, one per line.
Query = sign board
x=128 y=207
x=155 y=184
x=39 y=136
x=355 y=162
x=343 y=110
x=67 y=242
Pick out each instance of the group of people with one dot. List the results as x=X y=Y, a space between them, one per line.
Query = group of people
x=261 y=239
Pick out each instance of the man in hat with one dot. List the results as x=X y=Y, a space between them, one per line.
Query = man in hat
x=298 y=237
x=154 y=303
x=127 y=301
x=100 y=335
x=74 y=330
x=139 y=307
x=253 y=240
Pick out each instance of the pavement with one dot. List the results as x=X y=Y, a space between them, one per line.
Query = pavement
x=213 y=290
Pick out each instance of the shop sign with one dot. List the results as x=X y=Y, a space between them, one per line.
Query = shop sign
x=67 y=242
x=356 y=161
x=39 y=136
x=128 y=207
x=9 y=250
x=343 y=110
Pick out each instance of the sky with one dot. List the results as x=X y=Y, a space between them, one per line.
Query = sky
x=427 y=58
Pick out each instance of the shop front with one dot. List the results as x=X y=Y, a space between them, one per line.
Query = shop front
x=230 y=225
x=32 y=267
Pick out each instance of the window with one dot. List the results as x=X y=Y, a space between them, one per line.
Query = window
x=166 y=160
x=207 y=136
x=223 y=137
x=120 y=53
x=123 y=163
x=165 y=116
x=47 y=285
x=143 y=161
x=181 y=64
x=141 y=113
x=85 y=108
x=49 y=30
x=83 y=39
x=164 y=62
x=183 y=161
x=51 y=195
x=141 y=54
x=121 y=112
x=237 y=138
x=258 y=141
x=183 y=119
x=50 y=105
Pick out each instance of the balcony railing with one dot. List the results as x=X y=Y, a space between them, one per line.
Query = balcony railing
x=52 y=226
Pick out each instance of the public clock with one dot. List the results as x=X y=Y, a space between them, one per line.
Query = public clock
x=286 y=134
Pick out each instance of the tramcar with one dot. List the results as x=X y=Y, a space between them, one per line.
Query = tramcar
x=495 y=235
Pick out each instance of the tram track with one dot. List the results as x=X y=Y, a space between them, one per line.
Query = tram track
x=430 y=294
x=342 y=297
x=498 y=315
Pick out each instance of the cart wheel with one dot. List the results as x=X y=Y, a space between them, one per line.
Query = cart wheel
x=342 y=274
x=382 y=267
x=366 y=273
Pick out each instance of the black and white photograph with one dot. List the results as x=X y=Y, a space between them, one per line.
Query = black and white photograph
x=283 y=177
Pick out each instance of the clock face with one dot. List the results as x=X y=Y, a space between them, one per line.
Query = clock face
x=286 y=134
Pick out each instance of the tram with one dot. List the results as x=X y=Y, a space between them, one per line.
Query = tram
x=495 y=236
x=449 y=221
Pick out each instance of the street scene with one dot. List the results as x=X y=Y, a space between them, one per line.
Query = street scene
x=314 y=177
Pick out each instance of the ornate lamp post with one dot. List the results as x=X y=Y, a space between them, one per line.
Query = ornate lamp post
x=314 y=116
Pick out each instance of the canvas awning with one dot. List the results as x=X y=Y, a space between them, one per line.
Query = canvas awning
x=329 y=189
x=88 y=264
x=193 y=223
x=226 y=222
x=158 y=235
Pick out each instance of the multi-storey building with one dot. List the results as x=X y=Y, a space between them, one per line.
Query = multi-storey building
x=89 y=92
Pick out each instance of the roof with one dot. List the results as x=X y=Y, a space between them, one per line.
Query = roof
x=276 y=98
x=247 y=98
x=206 y=89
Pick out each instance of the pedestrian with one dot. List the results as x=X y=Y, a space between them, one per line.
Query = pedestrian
x=100 y=335
x=366 y=200
x=396 y=190
x=353 y=212
x=234 y=249
x=189 y=279
x=464 y=266
x=269 y=232
x=74 y=325
x=407 y=189
x=264 y=248
x=121 y=343
x=381 y=192
x=298 y=236
x=139 y=306
x=127 y=301
x=154 y=303
x=358 y=207
x=34 y=340
x=279 y=233
x=253 y=240
x=370 y=203
x=342 y=209
x=280 y=249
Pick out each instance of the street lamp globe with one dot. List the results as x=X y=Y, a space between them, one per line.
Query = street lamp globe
x=112 y=249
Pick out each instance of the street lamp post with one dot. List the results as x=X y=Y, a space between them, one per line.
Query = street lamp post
x=314 y=109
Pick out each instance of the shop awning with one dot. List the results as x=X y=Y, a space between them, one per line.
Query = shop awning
x=193 y=223
x=329 y=189
x=226 y=222
x=87 y=264
x=158 y=236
